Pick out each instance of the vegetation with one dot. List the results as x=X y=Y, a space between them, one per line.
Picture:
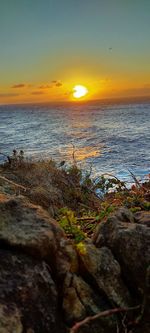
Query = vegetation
x=79 y=203
x=76 y=200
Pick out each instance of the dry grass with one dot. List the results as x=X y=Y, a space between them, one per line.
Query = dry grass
x=53 y=188
x=50 y=186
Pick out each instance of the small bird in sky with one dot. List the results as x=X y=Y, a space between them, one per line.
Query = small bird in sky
x=110 y=48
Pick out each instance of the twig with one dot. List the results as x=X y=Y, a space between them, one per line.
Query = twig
x=12 y=183
x=135 y=179
x=118 y=330
x=106 y=313
x=123 y=323
x=86 y=218
x=110 y=175
x=86 y=206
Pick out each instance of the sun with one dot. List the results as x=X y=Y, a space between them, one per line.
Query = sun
x=79 y=91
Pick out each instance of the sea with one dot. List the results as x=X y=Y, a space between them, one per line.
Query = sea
x=101 y=137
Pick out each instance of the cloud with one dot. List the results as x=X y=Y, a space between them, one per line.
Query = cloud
x=57 y=83
x=37 y=92
x=54 y=83
x=21 y=85
x=8 y=94
x=45 y=86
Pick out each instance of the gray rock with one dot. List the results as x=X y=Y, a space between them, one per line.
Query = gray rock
x=105 y=272
x=10 y=319
x=80 y=301
x=29 y=228
x=130 y=244
x=143 y=217
x=123 y=214
x=67 y=258
x=28 y=296
x=90 y=277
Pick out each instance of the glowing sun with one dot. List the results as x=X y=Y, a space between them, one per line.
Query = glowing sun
x=79 y=91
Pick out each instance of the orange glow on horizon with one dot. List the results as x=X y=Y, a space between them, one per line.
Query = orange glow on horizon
x=65 y=89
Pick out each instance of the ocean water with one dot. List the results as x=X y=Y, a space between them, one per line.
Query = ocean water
x=112 y=137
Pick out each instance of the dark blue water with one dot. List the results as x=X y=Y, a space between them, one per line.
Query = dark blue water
x=109 y=137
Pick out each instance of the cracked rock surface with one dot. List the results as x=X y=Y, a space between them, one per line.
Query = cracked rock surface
x=47 y=285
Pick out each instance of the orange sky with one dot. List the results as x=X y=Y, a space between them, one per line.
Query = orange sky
x=49 y=47
x=63 y=91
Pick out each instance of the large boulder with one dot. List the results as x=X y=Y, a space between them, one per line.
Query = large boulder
x=105 y=272
x=29 y=228
x=130 y=244
x=28 y=296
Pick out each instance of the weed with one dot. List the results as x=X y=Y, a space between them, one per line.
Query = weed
x=68 y=222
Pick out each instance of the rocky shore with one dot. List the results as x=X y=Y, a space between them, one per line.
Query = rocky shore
x=50 y=283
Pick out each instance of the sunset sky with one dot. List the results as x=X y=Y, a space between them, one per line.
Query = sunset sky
x=49 y=46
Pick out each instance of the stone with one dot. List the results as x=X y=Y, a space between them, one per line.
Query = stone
x=48 y=283
x=105 y=272
x=28 y=296
x=80 y=301
x=67 y=258
x=130 y=244
x=123 y=214
x=10 y=319
x=143 y=217
x=29 y=228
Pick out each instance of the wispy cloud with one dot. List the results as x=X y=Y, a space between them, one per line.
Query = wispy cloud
x=57 y=83
x=8 y=94
x=53 y=84
x=45 y=86
x=21 y=85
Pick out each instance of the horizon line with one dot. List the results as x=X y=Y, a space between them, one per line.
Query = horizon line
x=121 y=98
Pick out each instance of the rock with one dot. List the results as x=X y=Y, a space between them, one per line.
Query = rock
x=10 y=319
x=67 y=258
x=44 y=276
x=130 y=244
x=123 y=214
x=143 y=217
x=80 y=301
x=28 y=296
x=105 y=272
x=73 y=308
x=29 y=228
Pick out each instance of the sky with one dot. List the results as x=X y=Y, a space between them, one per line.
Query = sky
x=49 y=46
